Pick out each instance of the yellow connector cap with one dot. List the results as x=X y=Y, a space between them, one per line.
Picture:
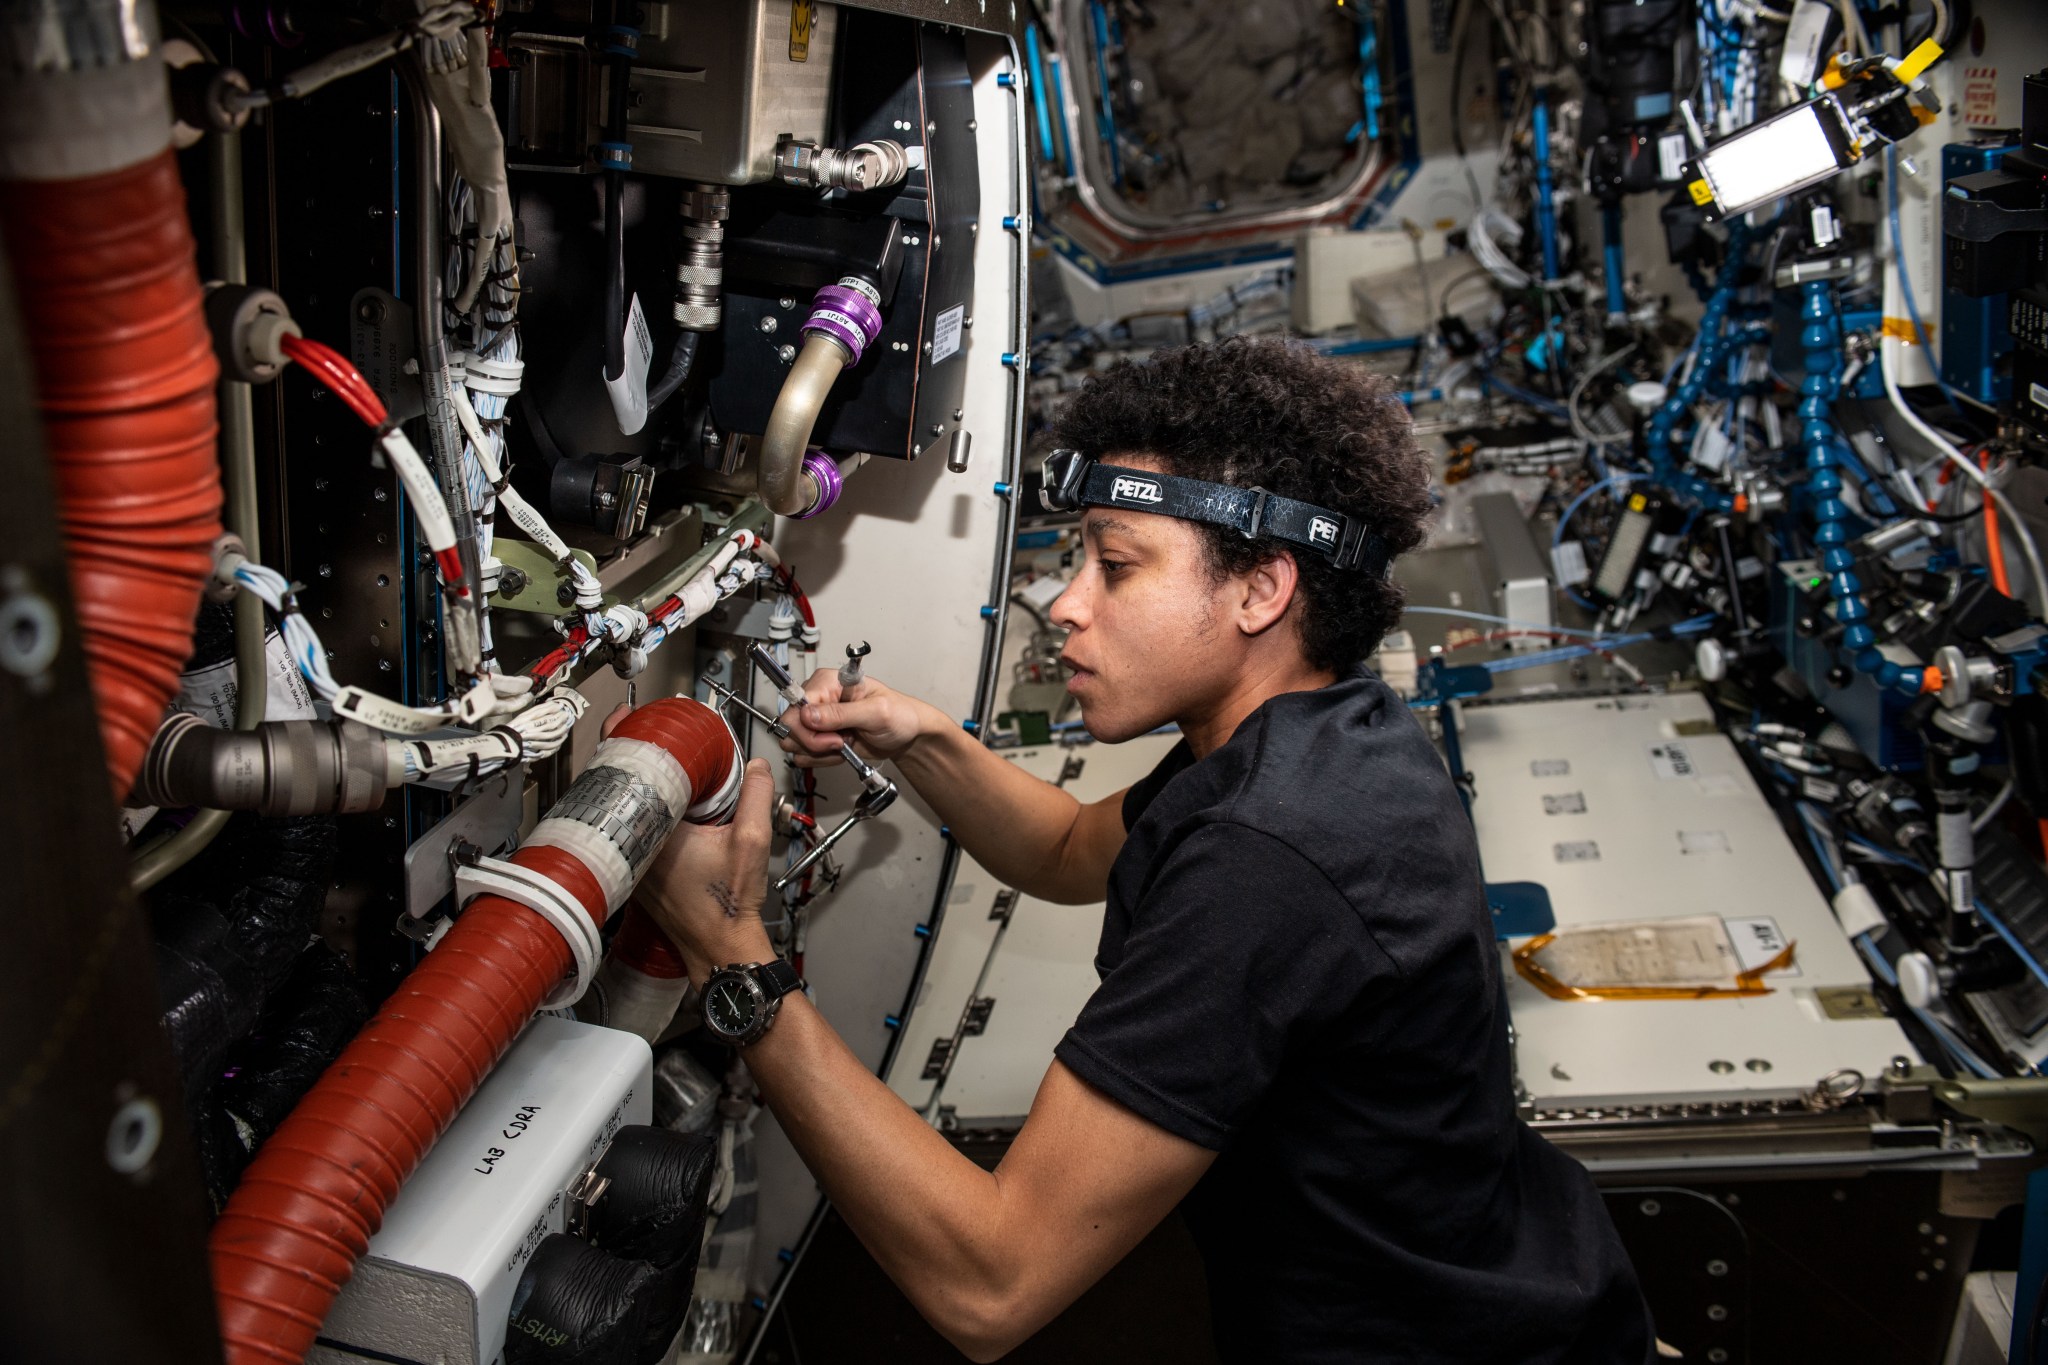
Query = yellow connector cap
x=1917 y=61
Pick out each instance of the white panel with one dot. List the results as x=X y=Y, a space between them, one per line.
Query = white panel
x=959 y=952
x=1640 y=801
x=1041 y=969
x=906 y=561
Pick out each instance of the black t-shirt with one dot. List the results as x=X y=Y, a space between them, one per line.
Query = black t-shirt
x=1299 y=972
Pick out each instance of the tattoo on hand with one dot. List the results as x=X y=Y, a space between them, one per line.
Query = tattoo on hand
x=722 y=893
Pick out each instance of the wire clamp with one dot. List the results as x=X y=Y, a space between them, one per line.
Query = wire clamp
x=495 y=877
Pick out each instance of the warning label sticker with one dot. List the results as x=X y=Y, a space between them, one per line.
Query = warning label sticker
x=1980 y=96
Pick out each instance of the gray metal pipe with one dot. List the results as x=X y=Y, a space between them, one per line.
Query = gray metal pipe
x=788 y=437
x=288 y=767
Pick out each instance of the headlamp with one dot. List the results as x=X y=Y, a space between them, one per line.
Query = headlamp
x=1074 y=481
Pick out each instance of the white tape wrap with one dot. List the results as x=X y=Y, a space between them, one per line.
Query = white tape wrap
x=548 y=900
x=618 y=813
x=650 y=763
x=1857 y=909
x=596 y=852
x=720 y=802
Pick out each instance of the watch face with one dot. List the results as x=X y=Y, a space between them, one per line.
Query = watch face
x=730 y=1005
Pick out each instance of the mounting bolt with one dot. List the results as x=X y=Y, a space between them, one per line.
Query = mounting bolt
x=1011 y=222
x=1002 y=490
x=1011 y=359
x=971 y=726
x=1005 y=80
x=921 y=930
x=890 y=1021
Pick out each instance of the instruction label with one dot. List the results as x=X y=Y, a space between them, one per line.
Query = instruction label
x=629 y=391
x=946 y=332
x=1805 y=42
x=210 y=693
x=1756 y=942
x=1670 y=761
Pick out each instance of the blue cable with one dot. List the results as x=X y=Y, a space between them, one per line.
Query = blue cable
x=1520 y=395
x=1105 y=120
x=1044 y=115
x=2026 y=954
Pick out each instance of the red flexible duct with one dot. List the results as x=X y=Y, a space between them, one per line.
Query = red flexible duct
x=317 y=1190
x=109 y=288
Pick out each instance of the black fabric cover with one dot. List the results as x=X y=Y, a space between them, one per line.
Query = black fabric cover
x=577 y=1305
x=654 y=1211
x=310 y=1020
x=229 y=929
x=1299 y=972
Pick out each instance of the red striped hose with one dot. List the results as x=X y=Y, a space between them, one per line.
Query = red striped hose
x=317 y=1190
x=106 y=272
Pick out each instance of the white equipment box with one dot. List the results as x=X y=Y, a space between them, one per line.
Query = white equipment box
x=1638 y=808
x=436 y=1284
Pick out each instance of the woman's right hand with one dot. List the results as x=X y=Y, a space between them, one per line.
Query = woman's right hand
x=877 y=720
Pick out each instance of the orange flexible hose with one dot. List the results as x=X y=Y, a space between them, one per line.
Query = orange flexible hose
x=109 y=287
x=1993 y=549
x=316 y=1192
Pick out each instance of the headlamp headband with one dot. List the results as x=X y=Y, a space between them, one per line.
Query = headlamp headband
x=1074 y=481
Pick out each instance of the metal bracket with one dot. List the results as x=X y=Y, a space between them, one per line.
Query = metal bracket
x=1005 y=906
x=381 y=341
x=487 y=823
x=536 y=591
x=935 y=1064
x=1071 y=769
x=975 y=1021
x=583 y=1196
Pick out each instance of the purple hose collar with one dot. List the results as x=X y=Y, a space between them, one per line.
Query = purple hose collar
x=846 y=312
x=824 y=470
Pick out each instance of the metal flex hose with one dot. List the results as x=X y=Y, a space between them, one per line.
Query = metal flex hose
x=845 y=319
x=317 y=1190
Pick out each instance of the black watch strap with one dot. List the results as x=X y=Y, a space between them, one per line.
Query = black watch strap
x=778 y=978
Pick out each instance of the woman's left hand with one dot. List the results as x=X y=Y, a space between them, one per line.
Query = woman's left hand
x=705 y=887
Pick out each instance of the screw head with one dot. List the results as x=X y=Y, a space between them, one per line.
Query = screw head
x=768 y=324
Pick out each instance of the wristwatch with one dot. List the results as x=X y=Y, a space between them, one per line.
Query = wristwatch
x=742 y=1000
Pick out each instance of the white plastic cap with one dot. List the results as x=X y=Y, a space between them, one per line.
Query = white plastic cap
x=1711 y=659
x=1647 y=395
x=1917 y=981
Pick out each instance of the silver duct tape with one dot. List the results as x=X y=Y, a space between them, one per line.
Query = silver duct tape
x=627 y=811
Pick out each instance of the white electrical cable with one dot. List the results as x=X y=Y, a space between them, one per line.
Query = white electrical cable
x=1990 y=812
x=1955 y=457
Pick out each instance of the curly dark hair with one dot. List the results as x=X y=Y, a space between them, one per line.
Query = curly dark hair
x=1273 y=414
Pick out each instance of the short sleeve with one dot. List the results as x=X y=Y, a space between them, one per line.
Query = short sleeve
x=1240 y=950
